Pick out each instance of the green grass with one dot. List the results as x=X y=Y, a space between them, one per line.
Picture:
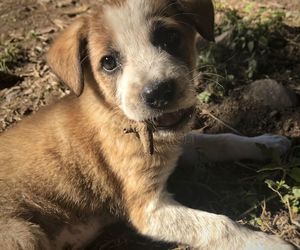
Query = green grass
x=253 y=192
x=10 y=55
x=250 y=192
x=245 y=56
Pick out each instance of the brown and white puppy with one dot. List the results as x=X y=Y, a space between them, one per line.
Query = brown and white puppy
x=70 y=170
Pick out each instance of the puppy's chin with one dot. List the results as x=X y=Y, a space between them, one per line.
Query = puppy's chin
x=168 y=122
x=173 y=121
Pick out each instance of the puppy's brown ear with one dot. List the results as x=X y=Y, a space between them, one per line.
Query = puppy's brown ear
x=66 y=54
x=201 y=14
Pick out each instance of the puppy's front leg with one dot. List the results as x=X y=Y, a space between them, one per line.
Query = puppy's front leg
x=164 y=219
x=230 y=147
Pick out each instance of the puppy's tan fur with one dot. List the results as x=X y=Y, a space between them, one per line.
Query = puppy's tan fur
x=71 y=163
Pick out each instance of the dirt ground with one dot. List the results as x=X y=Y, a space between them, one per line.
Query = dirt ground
x=26 y=84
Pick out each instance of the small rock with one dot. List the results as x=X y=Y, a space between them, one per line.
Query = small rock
x=45 y=30
x=270 y=93
x=273 y=114
x=74 y=11
x=225 y=38
x=64 y=3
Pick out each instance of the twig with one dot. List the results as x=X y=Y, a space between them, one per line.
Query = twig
x=296 y=223
x=287 y=203
x=146 y=136
x=293 y=42
x=264 y=212
x=206 y=112
x=144 y=131
x=251 y=209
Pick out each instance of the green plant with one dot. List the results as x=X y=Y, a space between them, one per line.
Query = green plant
x=244 y=55
x=10 y=54
x=289 y=196
x=287 y=188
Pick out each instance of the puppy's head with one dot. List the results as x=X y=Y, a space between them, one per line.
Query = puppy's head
x=142 y=55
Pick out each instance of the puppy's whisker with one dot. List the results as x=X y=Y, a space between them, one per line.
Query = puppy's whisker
x=186 y=14
x=216 y=82
x=209 y=66
x=211 y=74
x=163 y=11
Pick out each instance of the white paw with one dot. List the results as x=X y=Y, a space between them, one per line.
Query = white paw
x=262 y=241
x=278 y=143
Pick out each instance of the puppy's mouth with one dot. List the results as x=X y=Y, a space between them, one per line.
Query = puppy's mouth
x=174 y=120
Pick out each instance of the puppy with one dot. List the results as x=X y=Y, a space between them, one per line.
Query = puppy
x=70 y=170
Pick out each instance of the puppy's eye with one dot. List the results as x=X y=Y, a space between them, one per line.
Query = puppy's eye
x=109 y=63
x=167 y=39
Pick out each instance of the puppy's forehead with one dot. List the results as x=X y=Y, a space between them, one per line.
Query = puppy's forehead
x=125 y=17
x=144 y=6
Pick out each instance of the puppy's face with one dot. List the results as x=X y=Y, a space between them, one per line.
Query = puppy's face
x=142 y=54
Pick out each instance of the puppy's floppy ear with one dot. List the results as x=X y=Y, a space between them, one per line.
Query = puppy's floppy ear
x=201 y=14
x=66 y=54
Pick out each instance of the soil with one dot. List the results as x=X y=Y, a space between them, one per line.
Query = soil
x=27 y=28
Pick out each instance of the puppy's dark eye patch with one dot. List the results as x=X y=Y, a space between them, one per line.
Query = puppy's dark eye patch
x=168 y=39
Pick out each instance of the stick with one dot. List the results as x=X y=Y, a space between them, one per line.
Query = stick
x=145 y=132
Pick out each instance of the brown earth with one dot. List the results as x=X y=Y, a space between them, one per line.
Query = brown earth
x=26 y=84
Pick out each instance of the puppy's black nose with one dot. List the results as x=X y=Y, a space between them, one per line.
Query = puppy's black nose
x=159 y=95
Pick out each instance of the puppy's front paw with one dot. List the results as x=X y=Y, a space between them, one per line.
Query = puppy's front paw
x=262 y=241
x=277 y=143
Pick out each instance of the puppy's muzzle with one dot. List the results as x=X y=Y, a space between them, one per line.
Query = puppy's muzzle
x=159 y=95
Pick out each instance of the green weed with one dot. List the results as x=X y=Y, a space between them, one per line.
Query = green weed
x=10 y=54
x=245 y=53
